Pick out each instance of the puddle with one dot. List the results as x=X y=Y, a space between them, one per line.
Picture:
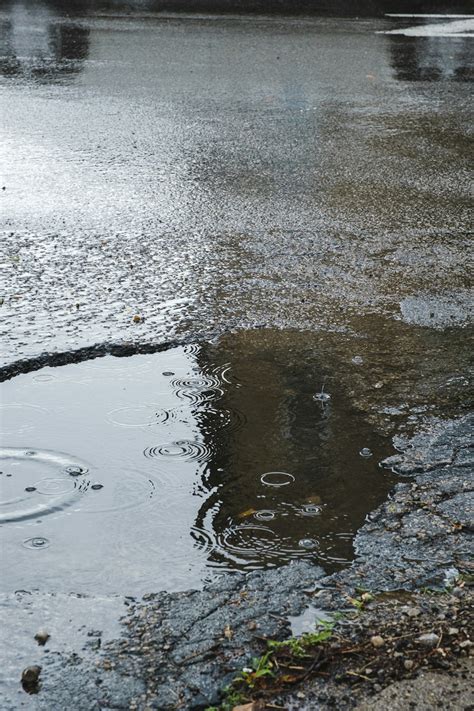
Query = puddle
x=162 y=471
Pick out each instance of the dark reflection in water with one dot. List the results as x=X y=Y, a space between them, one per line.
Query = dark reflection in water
x=431 y=58
x=325 y=487
x=37 y=45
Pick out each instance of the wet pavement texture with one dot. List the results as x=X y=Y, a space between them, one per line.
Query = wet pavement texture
x=205 y=173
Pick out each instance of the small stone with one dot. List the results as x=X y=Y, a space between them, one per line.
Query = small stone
x=466 y=644
x=42 y=637
x=408 y=664
x=377 y=641
x=138 y=319
x=30 y=675
x=428 y=640
x=453 y=631
x=413 y=611
x=300 y=695
x=378 y=385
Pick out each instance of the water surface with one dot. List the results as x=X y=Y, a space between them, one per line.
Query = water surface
x=164 y=470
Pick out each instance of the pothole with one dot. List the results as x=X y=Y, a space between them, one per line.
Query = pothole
x=161 y=471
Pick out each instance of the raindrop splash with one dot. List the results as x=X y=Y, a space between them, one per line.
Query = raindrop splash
x=277 y=479
x=36 y=543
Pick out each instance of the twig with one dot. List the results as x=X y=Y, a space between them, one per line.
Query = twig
x=361 y=676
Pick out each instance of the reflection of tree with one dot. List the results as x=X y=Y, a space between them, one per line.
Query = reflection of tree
x=431 y=58
x=285 y=430
x=39 y=46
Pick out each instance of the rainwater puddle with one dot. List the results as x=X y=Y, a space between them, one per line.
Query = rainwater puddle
x=124 y=475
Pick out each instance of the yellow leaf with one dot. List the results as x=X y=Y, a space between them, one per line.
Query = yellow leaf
x=249 y=512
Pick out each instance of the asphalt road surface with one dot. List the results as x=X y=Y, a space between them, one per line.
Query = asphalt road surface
x=210 y=172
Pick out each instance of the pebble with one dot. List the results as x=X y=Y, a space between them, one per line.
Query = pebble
x=408 y=664
x=30 y=675
x=42 y=637
x=377 y=641
x=428 y=640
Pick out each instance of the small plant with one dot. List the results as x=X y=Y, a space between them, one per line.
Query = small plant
x=361 y=601
x=232 y=698
x=261 y=666
x=298 y=646
x=248 y=678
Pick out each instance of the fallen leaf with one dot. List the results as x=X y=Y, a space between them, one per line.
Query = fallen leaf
x=249 y=512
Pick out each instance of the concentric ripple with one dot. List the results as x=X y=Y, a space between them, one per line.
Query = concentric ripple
x=197 y=388
x=36 y=482
x=211 y=418
x=265 y=515
x=36 y=543
x=310 y=510
x=187 y=449
x=247 y=543
x=128 y=491
x=140 y=416
x=254 y=547
x=203 y=540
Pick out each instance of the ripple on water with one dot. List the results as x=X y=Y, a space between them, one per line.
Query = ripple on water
x=140 y=416
x=36 y=543
x=190 y=450
x=322 y=397
x=254 y=547
x=210 y=418
x=128 y=491
x=265 y=515
x=310 y=510
x=248 y=544
x=277 y=479
x=27 y=491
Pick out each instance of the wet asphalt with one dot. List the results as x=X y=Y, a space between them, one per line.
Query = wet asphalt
x=209 y=172
x=169 y=178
